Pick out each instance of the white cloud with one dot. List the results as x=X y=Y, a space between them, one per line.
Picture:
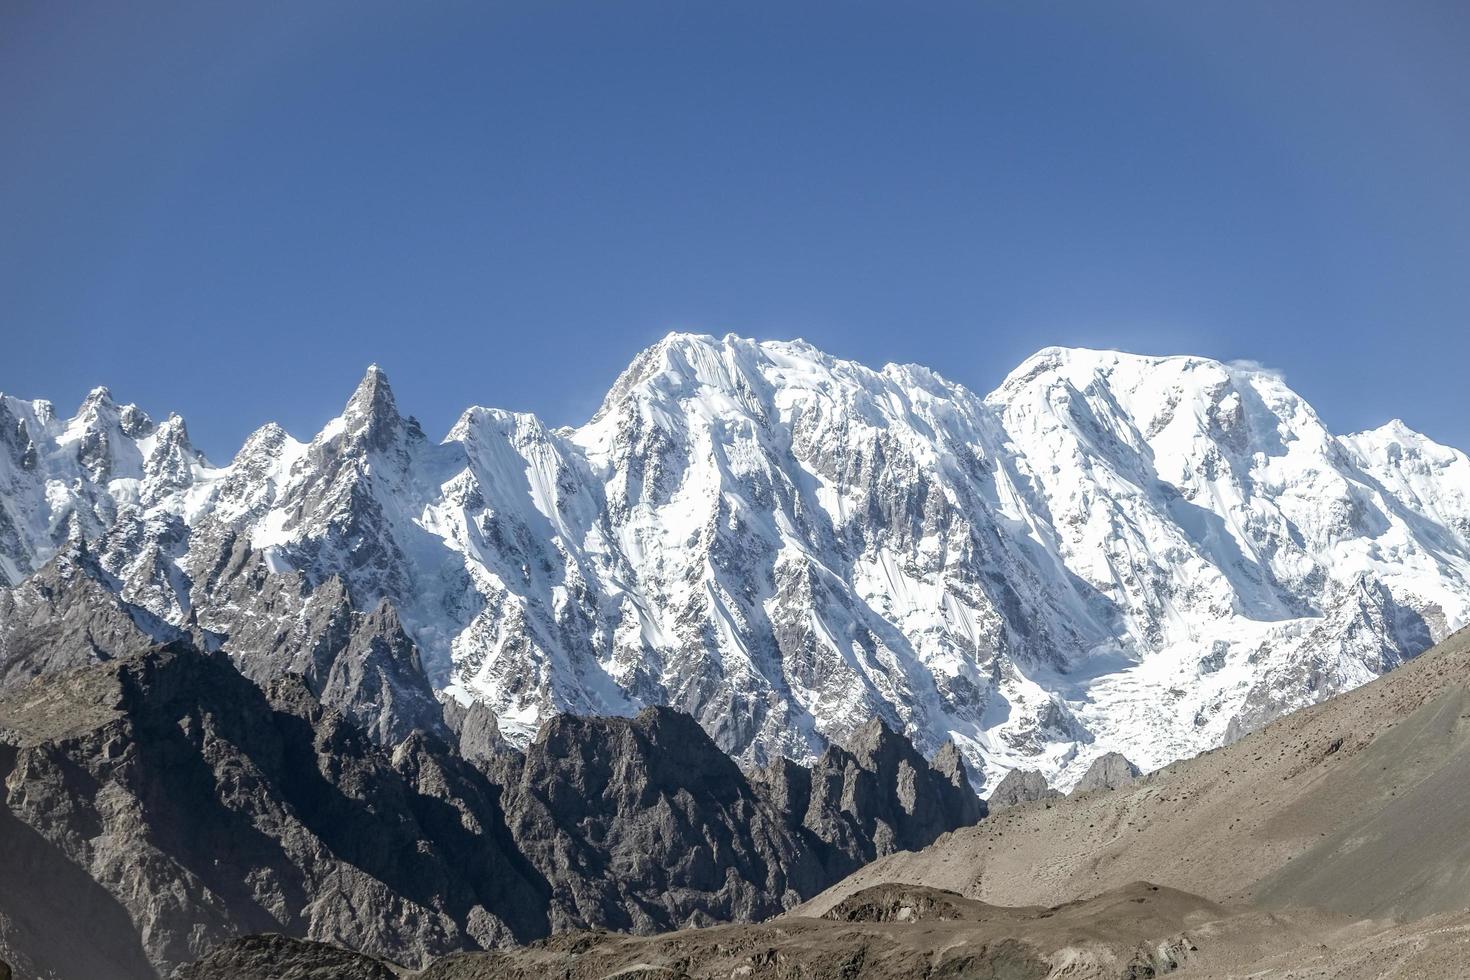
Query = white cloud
x=1256 y=367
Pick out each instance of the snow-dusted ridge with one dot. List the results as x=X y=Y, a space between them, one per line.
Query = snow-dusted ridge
x=1108 y=552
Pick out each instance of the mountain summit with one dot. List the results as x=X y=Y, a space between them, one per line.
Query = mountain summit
x=1108 y=553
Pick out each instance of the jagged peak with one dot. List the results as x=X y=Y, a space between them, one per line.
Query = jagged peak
x=269 y=439
x=373 y=396
x=371 y=415
x=476 y=417
x=686 y=364
x=100 y=411
x=174 y=430
x=1397 y=432
x=97 y=397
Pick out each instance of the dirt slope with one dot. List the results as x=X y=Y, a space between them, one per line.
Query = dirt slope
x=1359 y=805
x=887 y=932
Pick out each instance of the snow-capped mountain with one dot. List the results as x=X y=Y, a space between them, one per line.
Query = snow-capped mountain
x=1109 y=552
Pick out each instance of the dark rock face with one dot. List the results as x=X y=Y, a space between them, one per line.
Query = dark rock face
x=160 y=803
x=186 y=805
x=643 y=824
x=477 y=732
x=875 y=797
x=1108 y=771
x=379 y=681
x=74 y=612
x=273 y=957
x=1021 y=786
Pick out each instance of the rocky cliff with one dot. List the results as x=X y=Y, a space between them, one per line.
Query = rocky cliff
x=158 y=802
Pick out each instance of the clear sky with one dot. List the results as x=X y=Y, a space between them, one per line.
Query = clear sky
x=229 y=210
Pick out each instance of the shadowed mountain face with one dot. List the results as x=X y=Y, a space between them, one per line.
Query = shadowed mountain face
x=191 y=806
x=1109 y=553
x=1330 y=845
x=156 y=802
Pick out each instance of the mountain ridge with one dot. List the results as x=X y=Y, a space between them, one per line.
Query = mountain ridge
x=158 y=802
x=785 y=544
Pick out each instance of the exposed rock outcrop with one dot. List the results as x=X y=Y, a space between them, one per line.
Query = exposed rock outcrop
x=875 y=796
x=1021 y=786
x=1109 y=771
x=476 y=731
x=69 y=615
x=644 y=824
x=274 y=957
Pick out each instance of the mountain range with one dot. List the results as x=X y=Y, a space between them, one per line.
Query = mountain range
x=1109 y=553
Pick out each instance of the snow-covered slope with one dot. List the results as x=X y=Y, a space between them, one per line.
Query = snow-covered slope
x=1109 y=552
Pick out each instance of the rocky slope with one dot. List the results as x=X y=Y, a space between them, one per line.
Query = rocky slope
x=884 y=933
x=909 y=932
x=1357 y=806
x=1108 y=553
x=156 y=802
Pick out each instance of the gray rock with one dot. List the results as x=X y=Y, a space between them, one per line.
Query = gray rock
x=644 y=824
x=1109 y=771
x=273 y=957
x=378 y=680
x=69 y=614
x=1021 y=786
x=479 y=737
x=879 y=795
x=164 y=803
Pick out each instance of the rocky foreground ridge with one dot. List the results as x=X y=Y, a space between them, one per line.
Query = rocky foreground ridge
x=1108 y=553
x=158 y=802
x=1329 y=845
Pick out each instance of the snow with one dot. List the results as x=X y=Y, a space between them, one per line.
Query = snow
x=1108 y=552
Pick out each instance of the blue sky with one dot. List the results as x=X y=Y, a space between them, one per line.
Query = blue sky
x=230 y=212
